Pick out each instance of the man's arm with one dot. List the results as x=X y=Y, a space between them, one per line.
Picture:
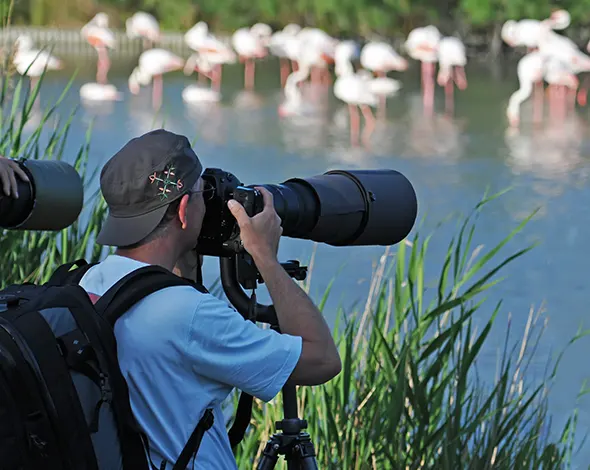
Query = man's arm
x=296 y=313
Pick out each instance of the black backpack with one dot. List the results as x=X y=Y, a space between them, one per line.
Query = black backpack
x=64 y=404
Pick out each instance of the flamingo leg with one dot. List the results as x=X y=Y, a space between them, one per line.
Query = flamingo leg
x=449 y=97
x=538 y=102
x=354 y=124
x=382 y=109
x=429 y=89
x=157 y=88
x=103 y=66
x=217 y=77
x=249 y=74
x=369 y=122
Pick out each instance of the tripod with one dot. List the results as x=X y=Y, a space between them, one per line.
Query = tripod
x=292 y=442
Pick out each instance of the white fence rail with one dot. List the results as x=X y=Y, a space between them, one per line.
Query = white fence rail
x=69 y=41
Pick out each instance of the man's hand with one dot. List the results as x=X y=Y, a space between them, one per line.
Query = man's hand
x=8 y=168
x=260 y=234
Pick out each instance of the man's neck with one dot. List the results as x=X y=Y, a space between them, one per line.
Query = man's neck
x=154 y=255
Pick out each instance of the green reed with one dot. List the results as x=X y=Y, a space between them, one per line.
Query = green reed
x=409 y=396
x=30 y=255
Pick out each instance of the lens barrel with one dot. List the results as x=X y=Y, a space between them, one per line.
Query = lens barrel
x=347 y=208
x=52 y=200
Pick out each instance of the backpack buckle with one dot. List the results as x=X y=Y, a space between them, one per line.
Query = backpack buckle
x=11 y=300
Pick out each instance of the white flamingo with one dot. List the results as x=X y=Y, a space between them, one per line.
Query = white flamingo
x=359 y=89
x=250 y=44
x=314 y=42
x=422 y=45
x=283 y=44
x=153 y=63
x=530 y=69
x=293 y=104
x=452 y=60
x=211 y=53
x=143 y=25
x=528 y=32
x=33 y=62
x=197 y=93
x=381 y=58
x=99 y=36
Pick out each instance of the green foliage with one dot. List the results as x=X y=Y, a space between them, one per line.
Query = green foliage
x=31 y=255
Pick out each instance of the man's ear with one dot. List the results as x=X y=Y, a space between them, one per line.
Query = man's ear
x=182 y=210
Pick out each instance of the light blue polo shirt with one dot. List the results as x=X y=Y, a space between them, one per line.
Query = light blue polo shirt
x=182 y=351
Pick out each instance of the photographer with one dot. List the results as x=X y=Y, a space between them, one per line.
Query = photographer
x=182 y=351
x=8 y=169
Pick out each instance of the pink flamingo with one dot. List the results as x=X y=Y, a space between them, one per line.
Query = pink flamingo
x=359 y=89
x=153 y=63
x=210 y=51
x=452 y=60
x=530 y=69
x=98 y=35
x=380 y=58
x=535 y=35
x=422 y=45
x=250 y=44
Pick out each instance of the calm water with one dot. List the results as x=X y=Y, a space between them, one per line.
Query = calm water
x=449 y=161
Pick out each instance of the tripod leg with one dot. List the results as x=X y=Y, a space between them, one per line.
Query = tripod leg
x=270 y=455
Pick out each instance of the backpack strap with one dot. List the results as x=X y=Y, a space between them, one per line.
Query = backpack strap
x=64 y=275
x=116 y=301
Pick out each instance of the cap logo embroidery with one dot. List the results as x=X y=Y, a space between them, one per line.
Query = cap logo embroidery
x=165 y=180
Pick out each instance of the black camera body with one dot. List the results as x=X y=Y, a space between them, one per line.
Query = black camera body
x=220 y=233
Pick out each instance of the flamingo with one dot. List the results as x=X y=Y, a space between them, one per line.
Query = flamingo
x=380 y=58
x=452 y=60
x=528 y=32
x=293 y=105
x=153 y=63
x=197 y=93
x=422 y=45
x=98 y=35
x=211 y=54
x=553 y=45
x=33 y=62
x=359 y=89
x=283 y=45
x=250 y=44
x=316 y=42
x=530 y=69
x=143 y=25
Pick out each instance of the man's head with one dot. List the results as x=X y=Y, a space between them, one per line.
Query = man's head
x=154 y=190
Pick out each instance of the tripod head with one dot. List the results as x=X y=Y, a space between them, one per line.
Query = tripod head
x=239 y=272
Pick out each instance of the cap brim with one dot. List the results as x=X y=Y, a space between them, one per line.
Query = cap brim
x=125 y=231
